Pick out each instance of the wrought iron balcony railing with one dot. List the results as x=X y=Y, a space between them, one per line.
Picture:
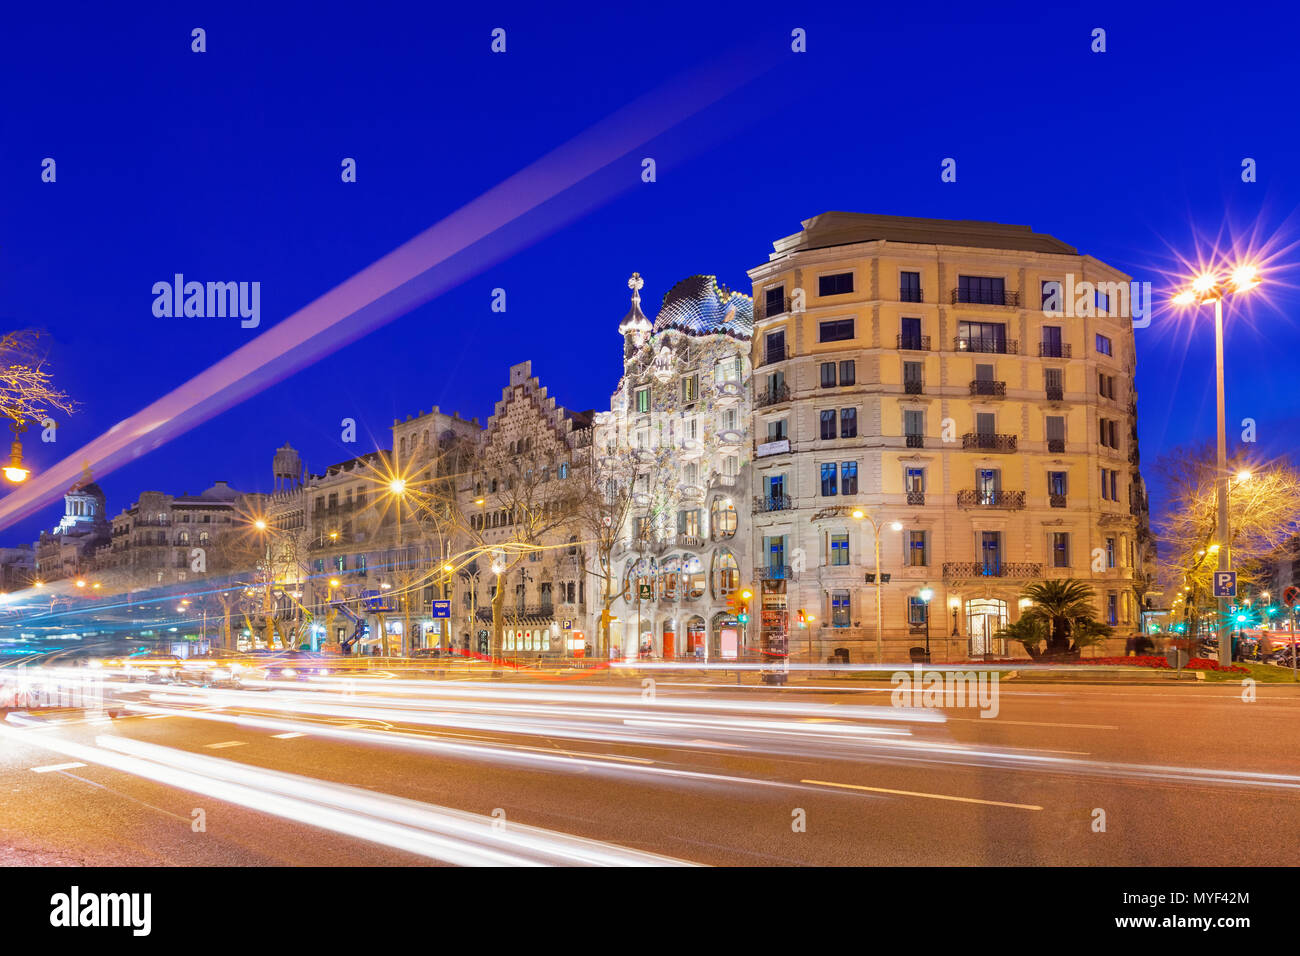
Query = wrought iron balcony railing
x=1056 y=501
x=772 y=572
x=914 y=343
x=980 y=386
x=1054 y=350
x=910 y=295
x=913 y=387
x=987 y=346
x=1056 y=446
x=1055 y=394
x=772 y=396
x=915 y=441
x=989 y=442
x=974 y=498
x=773 y=354
x=916 y=497
x=772 y=503
x=986 y=297
x=990 y=569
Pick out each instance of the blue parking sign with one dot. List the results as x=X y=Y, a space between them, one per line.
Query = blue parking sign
x=442 y=609
x=1225 y=583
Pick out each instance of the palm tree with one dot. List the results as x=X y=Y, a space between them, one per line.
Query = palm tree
x=1064 y=609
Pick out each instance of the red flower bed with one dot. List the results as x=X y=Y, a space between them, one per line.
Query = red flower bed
x=1149 y=660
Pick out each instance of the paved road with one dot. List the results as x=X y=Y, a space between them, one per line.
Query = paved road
x=419 y=772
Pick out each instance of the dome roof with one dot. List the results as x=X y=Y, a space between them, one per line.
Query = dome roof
x=699 y=306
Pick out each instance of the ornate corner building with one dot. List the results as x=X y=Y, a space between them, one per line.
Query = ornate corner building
x=959 y=395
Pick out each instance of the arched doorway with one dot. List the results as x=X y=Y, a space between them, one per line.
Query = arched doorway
x=669 y=641
x=696 y=637
x=725 y=637
x=984 y=618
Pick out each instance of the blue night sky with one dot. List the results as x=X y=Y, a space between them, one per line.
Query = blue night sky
x=226 y=166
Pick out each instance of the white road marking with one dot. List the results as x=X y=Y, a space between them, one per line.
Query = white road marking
x=928 y=796
x=288 y=736
x=224 y=744
x=57 y=766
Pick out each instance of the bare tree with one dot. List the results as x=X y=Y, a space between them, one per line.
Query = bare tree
x=27 y=390
x=625 y=485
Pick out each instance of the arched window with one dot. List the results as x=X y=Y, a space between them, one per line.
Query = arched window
x=183 y=538
x=564 y=470
x=670 y=577
x=726 y=573
x=722 y=519
x=203 y=537
x=693 y=579
x=573 y=545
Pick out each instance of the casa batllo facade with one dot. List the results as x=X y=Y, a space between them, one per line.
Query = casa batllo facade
x=682 y=408
x=906 y=373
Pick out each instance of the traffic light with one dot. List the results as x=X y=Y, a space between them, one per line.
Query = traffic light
x=803 y=618
x=742 y=605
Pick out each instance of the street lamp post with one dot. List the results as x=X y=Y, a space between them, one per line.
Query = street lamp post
x=926 y=595
x=861 y=515
x=1213 y=288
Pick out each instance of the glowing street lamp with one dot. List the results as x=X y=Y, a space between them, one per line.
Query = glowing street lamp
x=1211 y=287
x=16 y=472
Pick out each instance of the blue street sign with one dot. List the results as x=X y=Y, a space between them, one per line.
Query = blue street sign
x=1225 y=583
x=442 y=609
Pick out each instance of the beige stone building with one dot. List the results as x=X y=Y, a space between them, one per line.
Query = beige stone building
x=957 y=381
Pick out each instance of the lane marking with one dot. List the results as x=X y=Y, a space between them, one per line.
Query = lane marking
x=50 y=768
x=224 y=744
x=288 y=736
x=928 y=796
x=1036 y=723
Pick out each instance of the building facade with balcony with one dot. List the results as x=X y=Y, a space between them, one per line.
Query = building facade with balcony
x=683 y=409
x=922 y=377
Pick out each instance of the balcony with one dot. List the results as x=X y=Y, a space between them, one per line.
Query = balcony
x=916 y=498
x=771 y=309
x=1008 y=500
x=1056 y=446
x=910 y=295
x=773 y=503
x=994 y=568
x=1055 y=393
x=987 y=346
x=982 y=442
x=914 y=343
x=1054 y=350
x=913 y=387
x=774 y=354
x=772 y=572
x=986 y=297
x=1056 y=501
x=689 y=541
x=988 y=387
x=915 y=441
x=719 y=480
x=772 y=396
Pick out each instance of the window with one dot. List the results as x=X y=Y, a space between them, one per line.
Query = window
x=776 y=430
x=909 y=334
x=1051 y=289
x=727 y=370
x=1056 y=483
x=643 y=400
x=688 y=522
x=918 y=555
x=828 y=424
x=1103 y=345
x=841 y=283
x=774 y=346
x=849 y=477
x=840 y=609
x=563 y=470
x=982 y=336
x=913 y=377
x=1110 y=552
x=1060 y=549
x=913 y=422
x=1056 y=433
x=909 y=287
x=690 y=388
x=1052 y=341
x=774 y=300
x=722 y=518
x=1105 y=385
x=839 y=550
x=988 y=482
x=848 y=372
x=848 y=423
x=828 y=374
x=836 y=330
x=991 y=552
x=986 y=423
x=986 y=290
x=918 y=611
x=828 y=479
x=914 y=481
x=1112 y=608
